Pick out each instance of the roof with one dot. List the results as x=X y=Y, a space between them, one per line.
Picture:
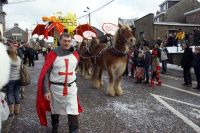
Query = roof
x=144 y=16
x=14 y=28
x=193 y=11
x=99 y=32
x=175 y=23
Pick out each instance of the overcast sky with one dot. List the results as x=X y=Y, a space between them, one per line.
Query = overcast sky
x=29 y=13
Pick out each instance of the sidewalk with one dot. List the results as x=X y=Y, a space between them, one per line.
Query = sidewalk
x=177 y=71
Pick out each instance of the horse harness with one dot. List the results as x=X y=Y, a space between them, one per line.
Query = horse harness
x=117 y=52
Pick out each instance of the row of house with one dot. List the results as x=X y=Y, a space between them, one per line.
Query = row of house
x=15 y=33
x=173 y=15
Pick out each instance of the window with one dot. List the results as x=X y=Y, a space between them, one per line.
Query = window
x=163 y=7
x=141 y=36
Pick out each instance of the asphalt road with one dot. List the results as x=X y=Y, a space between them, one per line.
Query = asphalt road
x=171 y=108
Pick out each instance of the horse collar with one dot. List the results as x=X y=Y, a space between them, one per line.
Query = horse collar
x=117 y=52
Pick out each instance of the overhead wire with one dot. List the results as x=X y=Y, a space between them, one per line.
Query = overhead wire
x=97 y=9
x=20 y=1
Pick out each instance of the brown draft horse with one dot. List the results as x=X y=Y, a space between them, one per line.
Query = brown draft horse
x=85 y=60
x=113 y=59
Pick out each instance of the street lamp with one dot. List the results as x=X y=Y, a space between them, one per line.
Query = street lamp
x=30 y=32
x=89 y=14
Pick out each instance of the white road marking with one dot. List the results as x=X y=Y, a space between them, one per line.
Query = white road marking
x=196 y=112
x=171 y=77
x=179 y=89
x=177 y=113
x=175 y=78
x=178 y=101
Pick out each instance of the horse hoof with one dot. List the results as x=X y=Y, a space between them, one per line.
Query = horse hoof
x=111 y=94
x=119 y=93
x=96 y=84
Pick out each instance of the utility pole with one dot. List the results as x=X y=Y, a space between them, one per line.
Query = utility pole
x=89 y=18
x=89 y=14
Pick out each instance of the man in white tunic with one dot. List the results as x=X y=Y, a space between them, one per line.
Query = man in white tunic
x=62 y=89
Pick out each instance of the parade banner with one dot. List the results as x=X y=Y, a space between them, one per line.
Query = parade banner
x=109 y=28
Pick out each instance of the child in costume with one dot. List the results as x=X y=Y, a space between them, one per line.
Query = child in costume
x=139 y=74
x=155 y=66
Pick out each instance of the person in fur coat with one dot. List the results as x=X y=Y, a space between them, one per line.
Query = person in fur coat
x=4 y=75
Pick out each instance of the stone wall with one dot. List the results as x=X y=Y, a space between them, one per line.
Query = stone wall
x=193 y=18
x=175 y=58
x=176 y=12
x=145 y=24
x=162 y=30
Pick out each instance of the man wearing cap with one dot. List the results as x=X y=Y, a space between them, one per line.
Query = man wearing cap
x=186 y=64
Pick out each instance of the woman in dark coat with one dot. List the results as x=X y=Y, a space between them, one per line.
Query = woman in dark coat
x=196 y=65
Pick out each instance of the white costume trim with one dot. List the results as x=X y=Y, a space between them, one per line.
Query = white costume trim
x=59 y=103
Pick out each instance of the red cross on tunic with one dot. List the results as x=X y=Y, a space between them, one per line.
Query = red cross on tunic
x=66 y=73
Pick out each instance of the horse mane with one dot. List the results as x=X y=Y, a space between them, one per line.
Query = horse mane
x=82 y=45
x=94 y=41
x=119 y=38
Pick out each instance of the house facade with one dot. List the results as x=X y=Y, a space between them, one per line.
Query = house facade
x=173 y=15
x=193 y=17
x=16 y=33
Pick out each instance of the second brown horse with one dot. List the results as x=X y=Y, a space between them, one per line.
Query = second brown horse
x=113 y=59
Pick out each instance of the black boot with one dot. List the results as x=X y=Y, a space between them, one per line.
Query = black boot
x=55 y=122
x=73 y=123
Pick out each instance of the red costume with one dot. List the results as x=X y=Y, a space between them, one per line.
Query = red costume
x=42 y=104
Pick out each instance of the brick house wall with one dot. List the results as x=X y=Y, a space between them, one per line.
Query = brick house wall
x=163 y=31
x=145 y=25
x=193 y=18
x=176 y=12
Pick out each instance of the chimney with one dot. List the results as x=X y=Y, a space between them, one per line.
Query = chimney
x=157 y=12
x=16 y=24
